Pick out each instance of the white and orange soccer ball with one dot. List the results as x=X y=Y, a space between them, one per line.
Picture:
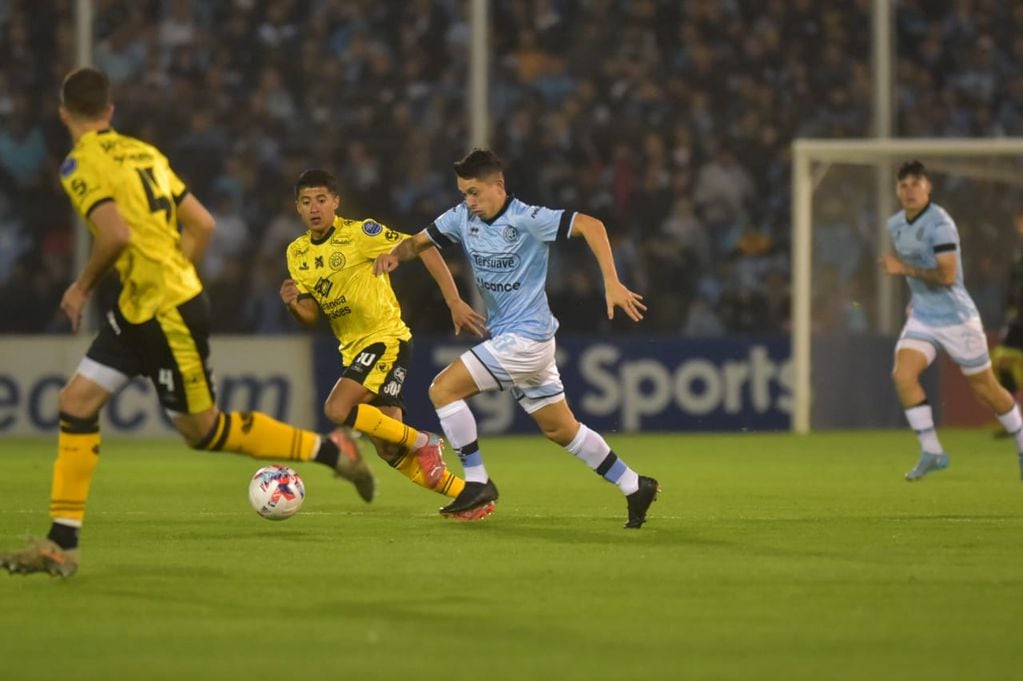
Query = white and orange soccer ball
x=276 y=492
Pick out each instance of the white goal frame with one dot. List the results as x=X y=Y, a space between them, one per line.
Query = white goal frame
x=810 y=158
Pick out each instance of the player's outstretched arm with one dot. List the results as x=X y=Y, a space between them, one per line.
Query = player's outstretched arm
x=198 y=227
x=462 y=314
x=305 y=310
x=615 y=293
x=406 y=250
x=112 y=236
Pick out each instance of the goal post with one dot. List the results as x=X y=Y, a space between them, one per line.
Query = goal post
x=825 y=173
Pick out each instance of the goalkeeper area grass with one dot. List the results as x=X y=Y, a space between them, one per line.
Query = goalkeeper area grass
x=767 y=556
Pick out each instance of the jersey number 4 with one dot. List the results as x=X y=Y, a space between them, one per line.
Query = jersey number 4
x=157 y=201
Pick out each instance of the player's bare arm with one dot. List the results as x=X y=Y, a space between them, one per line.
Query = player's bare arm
x=112 y=236
x=462 y=314
x=942 y=275
x=198 y=226
x=304 y=310
x=615 y=293
x=404 y=251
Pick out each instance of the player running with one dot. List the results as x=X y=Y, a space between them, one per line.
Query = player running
x=331 y=268
x=507 y=243
x=942 y=315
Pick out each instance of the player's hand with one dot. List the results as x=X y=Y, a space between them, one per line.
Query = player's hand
x=617 y=295
x=73 y=303
x=891 y=264
x=289 y=292
x=385 y=264
x=464 y=317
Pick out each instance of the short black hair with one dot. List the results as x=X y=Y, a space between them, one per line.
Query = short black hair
x=913 y=167
x=316 y=177
x=85 y=93
x=477 y=164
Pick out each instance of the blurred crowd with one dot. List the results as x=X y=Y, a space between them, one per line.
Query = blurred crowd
x=671 y=121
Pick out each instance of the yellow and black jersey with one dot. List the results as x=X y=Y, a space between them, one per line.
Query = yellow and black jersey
x=336 y=271
x=107 y=166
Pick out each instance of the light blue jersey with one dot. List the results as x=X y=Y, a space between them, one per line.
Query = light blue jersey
x=919 y=243
x=508 y=255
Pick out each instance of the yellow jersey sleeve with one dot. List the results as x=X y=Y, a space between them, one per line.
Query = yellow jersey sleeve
x=376 y=239
x=86 y=184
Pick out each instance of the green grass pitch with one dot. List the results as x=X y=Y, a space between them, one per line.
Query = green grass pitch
x=766 y=557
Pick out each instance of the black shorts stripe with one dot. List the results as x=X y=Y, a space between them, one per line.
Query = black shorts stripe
x=483 y=364
x=438 y=237
x=942 y=248
x=564 y=225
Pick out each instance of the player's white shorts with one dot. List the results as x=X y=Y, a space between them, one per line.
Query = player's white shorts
x=965 y=343
x=525 y=366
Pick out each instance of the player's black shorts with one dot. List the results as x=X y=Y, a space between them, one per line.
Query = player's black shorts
x=381 y=367
x=171 y=349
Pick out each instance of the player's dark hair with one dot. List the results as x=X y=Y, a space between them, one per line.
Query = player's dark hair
x=85 y=93
x=478 y=164
x=908 y=168
x=316 y=177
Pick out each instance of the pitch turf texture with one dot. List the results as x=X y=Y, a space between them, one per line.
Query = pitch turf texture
x=766 y=557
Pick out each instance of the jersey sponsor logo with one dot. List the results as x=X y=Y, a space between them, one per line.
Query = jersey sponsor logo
x=323 y=287
x=510 y=234
x=69 y=166
x=337 y=260
x=372 y=228
x=498 y=286
x=495 y=262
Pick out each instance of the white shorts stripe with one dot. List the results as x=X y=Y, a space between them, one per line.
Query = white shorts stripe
x=107 y=378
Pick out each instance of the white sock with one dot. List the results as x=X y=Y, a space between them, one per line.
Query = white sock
x=921 y=420
x=460 y=429
x=595 y=452
x=1012 y=421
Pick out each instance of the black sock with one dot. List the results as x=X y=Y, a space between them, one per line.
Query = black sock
x=328 y=453
x=64 y=536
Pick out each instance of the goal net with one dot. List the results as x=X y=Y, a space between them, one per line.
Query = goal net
x=846 y=313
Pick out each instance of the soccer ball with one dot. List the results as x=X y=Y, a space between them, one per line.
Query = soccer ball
x=276 y=492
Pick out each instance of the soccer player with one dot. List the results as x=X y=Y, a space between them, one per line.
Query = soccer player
x=507 y=243
x=159 y=326
x=331 y=268
x=942 y=315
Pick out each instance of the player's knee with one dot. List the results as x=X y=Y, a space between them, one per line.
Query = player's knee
x=338 y=411
x=560 y=433
x=438 y=394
